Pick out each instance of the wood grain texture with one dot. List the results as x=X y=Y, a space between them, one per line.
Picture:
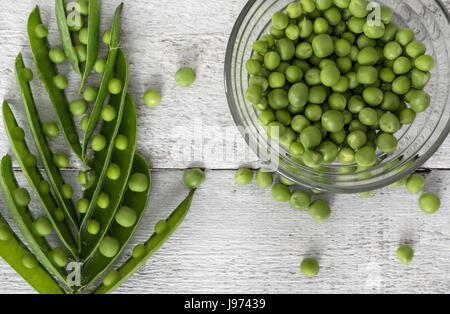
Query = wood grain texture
x=235 y=240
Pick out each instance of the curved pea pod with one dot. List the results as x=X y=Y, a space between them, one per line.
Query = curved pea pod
x=64 y=33
x=137 y=201
x=40 y=142
x=24 y=220
x=103 y=90
x=35 y=178
x=152 y=245
x=109 y=130
x=47 y=71
x=92 y=45
x=12 y=250
x=114 y=188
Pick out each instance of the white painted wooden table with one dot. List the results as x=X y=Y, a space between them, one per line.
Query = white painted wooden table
x=235 y=240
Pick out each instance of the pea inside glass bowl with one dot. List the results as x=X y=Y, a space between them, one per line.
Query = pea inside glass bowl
x=417 y=142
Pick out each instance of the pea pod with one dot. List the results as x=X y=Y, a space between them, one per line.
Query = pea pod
x=35 y=178
x=64 y=33
x=12 y=251
x=152 y=245
x=24 y=220
x=138 y=202
x=103 y=91
x=40 y=142
x=110 y=131
x=92 y=45
x=114 y=188
x=47 y=71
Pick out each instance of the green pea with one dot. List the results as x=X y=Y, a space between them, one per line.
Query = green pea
x=356 y=125
x=81 y=52
x=387 y=143
x=278 y=99
x=41 y=31
x=266 y=117
x=296 y=149
x=21 y=197
x=286 y=49
x=185 y=77
x=78 y=107
x=306 y=28
x=59 y=215
x=338 y=137
x=83 y=206
x=60 y=81
x=103 y=201
x=312 y=77
x=29 y=160
x=407 y=116
x=121 y=142
x=368 y=56
x=308 y=5
x=264 y=179
x=323 y=46
x=253 y=94
x=281 y=193
x=253 y=67
x=333 y=121
x=111 y=278
x=90 y=93
x=5 y=233
x=114 y=172
x=373 y=96
x=374 y=30
x=344 y=64
x=277 y=80
x=50 y=129
x=424 y=63
x=109 y=113
x=330 y=76
x=139 y=183
x=367 y=75
x=98 y=143
x=161 y=227
x=109 y=247
x=390 y=32
x=106 y=38
x=29 y=261
x=310 y=267
x=294 y=74
x=320 y=211
x=82 y=7
x=356 y=25
x=300 y=200
x=59 y=257
x=93 y=227
x=312 y=159
x=275 y=130
x=100 y=65
x=314 y=112
x=82 y=178
x=194 y=178
x=415 y=183
x=416 y=49
x=244 y=176
x=405 y=254
x=299 y=123
x=429 y=203
x=83 y=36
x=387 y=75
x=366 y=157
x=284 y=117
x=346 y=156
x=304 y=50
x=44 y=187
x=292 y=32
x=419 y=79
x=84 y=123
x=401 y=85
x=115 y=86
x=420 y=101
x=139 y=251
x=404 y=36
x=317 y=95
x=42 y=226
x=334 y=18
x=402 y=66
x=357 y=139
x=277 y=34
x=27 y=75
x=342 y=4
x=392 y=50
x=359 y=8
x=259 y=81
x=126 y=217
x=321 y=26
x=152 y=98
x=294 y=10
x=67 y=191
x=280 y=20
x=329 y=152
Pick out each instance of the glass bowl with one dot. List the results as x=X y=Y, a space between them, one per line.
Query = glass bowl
x=417 y=142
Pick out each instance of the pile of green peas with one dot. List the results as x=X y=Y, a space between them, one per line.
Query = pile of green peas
x=299 y=200
x=331 y=84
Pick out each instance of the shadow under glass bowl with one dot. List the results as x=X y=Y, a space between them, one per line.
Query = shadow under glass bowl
x=417 y=142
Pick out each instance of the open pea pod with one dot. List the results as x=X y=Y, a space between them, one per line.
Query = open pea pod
x=28 y=165
x=92 y=44
x=109 y=131
x=103 y=90
x=99 y=263
x=64 y=33
x=24 y=220
x=12 y=250
x=151 y=246
x=47 y=71
x=40 y=142
x=115 y=189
